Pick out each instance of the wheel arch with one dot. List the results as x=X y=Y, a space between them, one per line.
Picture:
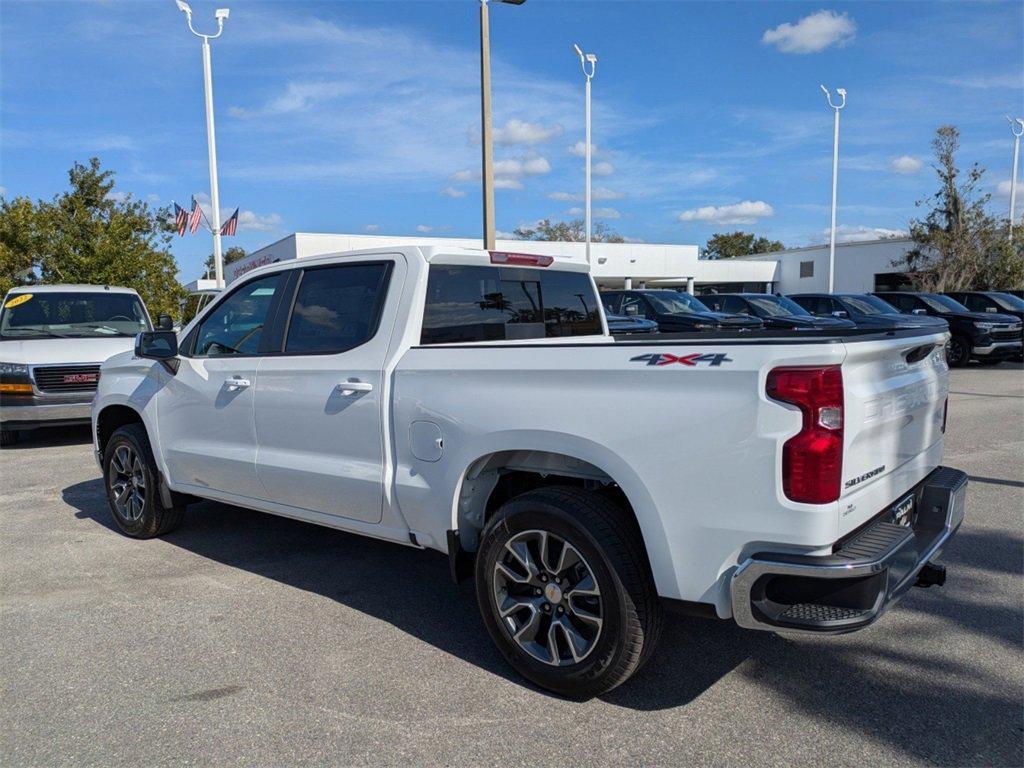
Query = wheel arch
x=501 y=473
x=112 y=417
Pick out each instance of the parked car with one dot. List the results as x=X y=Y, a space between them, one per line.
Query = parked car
x=865 y=310
x=625 y=325
x=774 y=311
x=52 y=341
x=992 y=302
x=472 y=403
x=982 y=336
x=674 y=311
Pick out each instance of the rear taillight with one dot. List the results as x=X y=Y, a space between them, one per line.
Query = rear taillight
x=812 y=460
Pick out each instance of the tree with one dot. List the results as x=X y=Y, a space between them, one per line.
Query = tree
x=230 y=256
x=732 y=244
x=89 y=234
x=20 y=235
x=958 y=245
x=568 y=231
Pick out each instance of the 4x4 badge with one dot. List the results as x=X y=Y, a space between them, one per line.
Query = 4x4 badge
x=664 y=358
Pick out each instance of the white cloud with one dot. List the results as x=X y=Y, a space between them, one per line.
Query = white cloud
x=579 y=149
x=297 y=96
x=984 y=82
x=117 y=196
x=463 y=175
x=509 y=172
x=153 y=198
x=502 y=235
x=906 y=164
x=604 y=168
x=3 y=190
x=599 y=213
x=1003 y=190
x=521 y=132
x=500 y=183
x=747 y=212
x=597 y=193
x=812 y=33
x=858 y=234
x=424 y=229
x=372 y=228
x=247 y=220
x=452 y=192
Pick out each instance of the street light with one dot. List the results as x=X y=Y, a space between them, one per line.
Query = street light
x=221 y=16
x=585 y=59
x=1014 y=124
x=485 y=119
x=835 y=182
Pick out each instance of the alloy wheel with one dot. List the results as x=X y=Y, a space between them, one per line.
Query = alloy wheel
x=127 y=481
x=548 y=598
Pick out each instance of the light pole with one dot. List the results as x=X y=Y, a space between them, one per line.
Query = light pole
x=211 y=138
x=835 y=182
x=485 y=119
x=1014 y=125
x=591 y=59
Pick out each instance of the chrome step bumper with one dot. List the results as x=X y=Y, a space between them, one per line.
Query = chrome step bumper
x=866 y=573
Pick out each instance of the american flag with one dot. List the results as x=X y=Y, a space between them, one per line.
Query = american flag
x=231 y=225
x=195 y=217
x=180 y=219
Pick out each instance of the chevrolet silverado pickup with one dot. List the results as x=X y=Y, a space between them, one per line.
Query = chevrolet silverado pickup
x=473 y=403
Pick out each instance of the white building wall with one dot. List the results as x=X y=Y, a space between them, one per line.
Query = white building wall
x=856 y=265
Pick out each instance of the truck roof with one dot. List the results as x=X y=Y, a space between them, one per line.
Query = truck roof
x=65 y=287
x=433 y=254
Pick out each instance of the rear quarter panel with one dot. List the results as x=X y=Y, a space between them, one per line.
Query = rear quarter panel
x=695 y=447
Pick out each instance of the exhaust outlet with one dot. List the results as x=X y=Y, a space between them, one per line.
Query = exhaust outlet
x=931 y=574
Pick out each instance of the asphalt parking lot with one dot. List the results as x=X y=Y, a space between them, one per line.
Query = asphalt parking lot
x=244 y=638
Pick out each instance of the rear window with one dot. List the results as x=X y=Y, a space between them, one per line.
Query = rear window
x=466 y=303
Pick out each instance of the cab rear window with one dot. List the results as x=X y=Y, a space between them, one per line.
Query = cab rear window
x=468 y=303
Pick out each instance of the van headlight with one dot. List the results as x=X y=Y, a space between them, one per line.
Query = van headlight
x=14 y=370
x=983 y=326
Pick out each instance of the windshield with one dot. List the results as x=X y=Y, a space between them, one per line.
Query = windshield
x=676 y=303
x=71 y=314
x=870 y=305
x=1008 y=301
x=941 y=303
x=777 y=306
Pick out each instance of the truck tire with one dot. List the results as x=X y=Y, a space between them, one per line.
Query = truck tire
x=8 y=437
x=131 y=479
x=566 y=592
x=958 y=351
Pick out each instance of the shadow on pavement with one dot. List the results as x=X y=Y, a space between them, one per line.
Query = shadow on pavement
x=854 y=683
x=48 y=437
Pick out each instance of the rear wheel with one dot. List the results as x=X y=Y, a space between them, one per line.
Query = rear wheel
x=958 y=351
x=8 y=437
x=131 y=478
x=566 y=592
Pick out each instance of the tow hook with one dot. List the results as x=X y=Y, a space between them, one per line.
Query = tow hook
x=931 y=574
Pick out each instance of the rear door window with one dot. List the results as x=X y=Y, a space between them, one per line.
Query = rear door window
x=336 y=308
x=469 y=303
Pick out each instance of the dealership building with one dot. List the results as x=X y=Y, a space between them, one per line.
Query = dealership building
x=860 y=267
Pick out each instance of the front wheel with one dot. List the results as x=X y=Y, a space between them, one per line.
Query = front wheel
x=565 y=590
x=958 y=351
x=130 y=475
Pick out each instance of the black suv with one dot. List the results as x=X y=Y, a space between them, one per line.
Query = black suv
x=865 y=310
x=775 y=311
x=986 y=337
x=673 y=311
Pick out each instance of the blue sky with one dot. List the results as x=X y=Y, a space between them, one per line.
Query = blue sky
x=364 y=116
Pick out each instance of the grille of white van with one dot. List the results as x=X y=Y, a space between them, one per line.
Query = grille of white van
x=66 y=378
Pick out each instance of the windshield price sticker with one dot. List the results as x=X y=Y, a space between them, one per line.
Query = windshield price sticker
x=20 y=299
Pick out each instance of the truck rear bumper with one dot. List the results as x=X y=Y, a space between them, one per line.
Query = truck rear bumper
x=867 y=572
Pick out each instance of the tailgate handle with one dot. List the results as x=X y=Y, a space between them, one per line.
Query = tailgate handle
x=917 y=354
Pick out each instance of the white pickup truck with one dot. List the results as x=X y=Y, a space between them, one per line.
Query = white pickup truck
x=472 y=402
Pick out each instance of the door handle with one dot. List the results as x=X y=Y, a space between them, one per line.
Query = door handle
x=351 y=387
x=237 y=382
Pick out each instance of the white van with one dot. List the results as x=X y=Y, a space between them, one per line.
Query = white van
x=52 y=341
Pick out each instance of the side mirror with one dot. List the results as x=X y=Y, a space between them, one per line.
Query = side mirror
x=156 y=345
x=841 y=313
x=164 y=323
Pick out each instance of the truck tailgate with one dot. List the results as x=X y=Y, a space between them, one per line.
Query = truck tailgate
x=895 y=399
